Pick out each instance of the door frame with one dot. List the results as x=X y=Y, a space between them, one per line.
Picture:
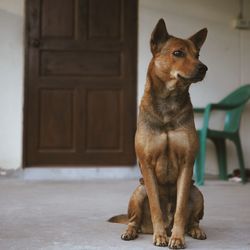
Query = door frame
x=26 y=83
x=26 y=93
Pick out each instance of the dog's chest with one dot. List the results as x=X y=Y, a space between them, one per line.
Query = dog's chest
x=177 y=151
x=161 y=153
x=166 y=167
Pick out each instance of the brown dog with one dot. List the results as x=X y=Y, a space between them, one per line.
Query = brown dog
x=166 y=143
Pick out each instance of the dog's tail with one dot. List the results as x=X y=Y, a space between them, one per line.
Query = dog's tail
x=121 y=218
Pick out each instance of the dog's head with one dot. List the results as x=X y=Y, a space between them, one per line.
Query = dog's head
x=177 y=59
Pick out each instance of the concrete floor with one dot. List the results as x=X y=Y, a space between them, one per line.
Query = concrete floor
x=71 y=215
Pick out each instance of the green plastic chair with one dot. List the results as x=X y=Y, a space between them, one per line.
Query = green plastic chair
x=233 y=105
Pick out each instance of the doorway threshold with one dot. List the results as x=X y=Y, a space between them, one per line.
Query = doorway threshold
x=76 y=173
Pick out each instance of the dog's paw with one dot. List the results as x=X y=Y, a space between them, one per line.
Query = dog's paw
x=160 y=240
x=197 y=233
x=176 y=242
x=129 y=234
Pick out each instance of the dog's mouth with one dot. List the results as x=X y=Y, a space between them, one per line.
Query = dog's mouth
x=198 y=74
x=194 y=79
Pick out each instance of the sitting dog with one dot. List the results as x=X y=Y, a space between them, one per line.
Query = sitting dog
x=166 y=203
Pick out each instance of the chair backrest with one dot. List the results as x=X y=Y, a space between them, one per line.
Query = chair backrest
x=239 y=97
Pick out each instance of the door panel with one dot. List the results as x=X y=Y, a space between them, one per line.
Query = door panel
x=80 y=102
x=56 y=123
x=57 y=18
x=101 y=26
x=84 y=63
x=104 y=127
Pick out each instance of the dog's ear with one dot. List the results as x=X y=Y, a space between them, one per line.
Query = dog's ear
x=199 y=38
x=159 y=36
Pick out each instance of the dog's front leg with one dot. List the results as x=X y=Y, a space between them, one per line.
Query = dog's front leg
x=183 y=187
x=159 y=237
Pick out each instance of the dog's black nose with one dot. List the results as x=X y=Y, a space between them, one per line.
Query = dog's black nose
x=202 y=68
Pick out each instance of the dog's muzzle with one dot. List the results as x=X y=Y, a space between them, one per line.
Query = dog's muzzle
x=199 y=74
x=201 y=71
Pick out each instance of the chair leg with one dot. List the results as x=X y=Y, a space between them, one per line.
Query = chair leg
x=199 y=168
x=197 y=173
x=241 y=159
x=220 y=145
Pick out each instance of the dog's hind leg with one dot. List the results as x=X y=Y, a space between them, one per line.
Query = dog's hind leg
x=135 y=213
x=196 y=210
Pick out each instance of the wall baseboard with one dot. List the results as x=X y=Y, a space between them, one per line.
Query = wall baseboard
x=86 y=173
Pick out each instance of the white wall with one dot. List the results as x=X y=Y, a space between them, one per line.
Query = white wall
x=226 y=53
x=11 y=82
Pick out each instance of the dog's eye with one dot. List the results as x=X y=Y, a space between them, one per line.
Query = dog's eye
x=178 y=53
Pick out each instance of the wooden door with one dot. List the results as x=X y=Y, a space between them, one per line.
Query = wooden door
x=80 y=99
